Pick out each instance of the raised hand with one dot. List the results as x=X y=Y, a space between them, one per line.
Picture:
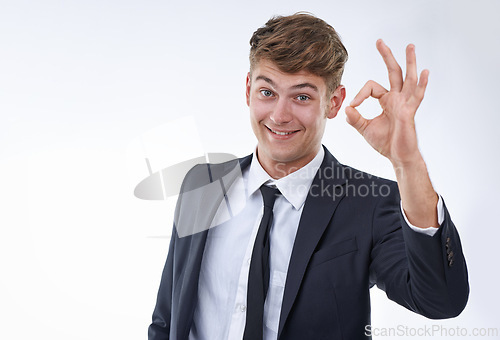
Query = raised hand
x=392 y=133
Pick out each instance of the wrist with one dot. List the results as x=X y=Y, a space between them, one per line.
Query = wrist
x=410 y=169
x=414 y=162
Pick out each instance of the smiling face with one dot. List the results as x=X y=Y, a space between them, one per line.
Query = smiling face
x=288 y=113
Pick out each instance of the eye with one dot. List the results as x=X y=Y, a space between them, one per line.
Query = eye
x=303 y=98
x=266 y=93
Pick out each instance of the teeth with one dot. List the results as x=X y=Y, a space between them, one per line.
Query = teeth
x=282 y=133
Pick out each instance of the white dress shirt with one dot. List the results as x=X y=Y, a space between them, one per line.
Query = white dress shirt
x=220 y=312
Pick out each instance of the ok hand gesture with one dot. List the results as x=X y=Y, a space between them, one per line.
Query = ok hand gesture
x=392 y=133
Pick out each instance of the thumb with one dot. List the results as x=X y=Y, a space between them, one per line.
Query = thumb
x=354 y=118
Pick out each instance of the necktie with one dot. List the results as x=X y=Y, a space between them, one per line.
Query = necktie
x=258 y=277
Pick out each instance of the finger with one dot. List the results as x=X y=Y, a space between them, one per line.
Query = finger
x=395 y=73
x=420 y=89
x=355 y=119
x=411 y=70
x=370 y=89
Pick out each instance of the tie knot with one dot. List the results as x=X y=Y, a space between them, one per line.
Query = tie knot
x=269 y=195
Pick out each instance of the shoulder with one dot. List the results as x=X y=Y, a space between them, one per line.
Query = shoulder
x=357 y=186
x=359 y=177
x=341 y=173
x=205 y=173
x=366 y=185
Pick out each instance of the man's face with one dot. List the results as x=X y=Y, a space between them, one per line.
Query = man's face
x=288 y=113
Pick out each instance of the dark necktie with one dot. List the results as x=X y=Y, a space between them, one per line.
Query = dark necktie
x=258 y=277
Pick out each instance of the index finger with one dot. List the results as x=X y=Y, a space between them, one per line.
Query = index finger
x=395 y=73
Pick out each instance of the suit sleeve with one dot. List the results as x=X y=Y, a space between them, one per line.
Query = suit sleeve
x=160 y=326
x=426 y=274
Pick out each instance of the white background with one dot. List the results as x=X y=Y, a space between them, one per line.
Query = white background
x=81 y=257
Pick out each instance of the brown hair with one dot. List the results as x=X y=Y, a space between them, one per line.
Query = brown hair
x=300 y=42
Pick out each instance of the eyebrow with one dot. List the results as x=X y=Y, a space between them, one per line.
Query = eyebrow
x=298 y=86
x=301 y=86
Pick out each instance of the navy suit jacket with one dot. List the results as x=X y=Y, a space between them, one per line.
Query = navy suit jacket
x=351 y=236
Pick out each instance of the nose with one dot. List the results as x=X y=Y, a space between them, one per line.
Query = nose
x=281 y=113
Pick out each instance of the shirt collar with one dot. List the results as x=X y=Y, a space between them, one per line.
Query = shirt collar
x=294 y=187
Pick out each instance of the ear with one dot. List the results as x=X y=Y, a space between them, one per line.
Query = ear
x=248 y=88
x=336 y=100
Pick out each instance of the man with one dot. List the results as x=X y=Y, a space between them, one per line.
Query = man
x=300 y=265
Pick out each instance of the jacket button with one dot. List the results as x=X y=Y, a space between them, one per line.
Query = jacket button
x=450 y=256
x=450 y=262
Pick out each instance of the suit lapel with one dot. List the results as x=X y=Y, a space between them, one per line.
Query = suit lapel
x=204 y=188
x=324 y=196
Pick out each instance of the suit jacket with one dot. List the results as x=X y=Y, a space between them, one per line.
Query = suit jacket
x=351 y=236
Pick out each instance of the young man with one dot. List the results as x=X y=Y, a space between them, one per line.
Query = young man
x=307 y=237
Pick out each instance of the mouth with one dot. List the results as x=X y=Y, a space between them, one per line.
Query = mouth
x=281 y=134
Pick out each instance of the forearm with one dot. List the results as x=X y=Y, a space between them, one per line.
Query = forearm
x=417 y=194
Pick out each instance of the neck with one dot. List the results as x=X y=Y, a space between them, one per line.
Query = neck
x=279 y=169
